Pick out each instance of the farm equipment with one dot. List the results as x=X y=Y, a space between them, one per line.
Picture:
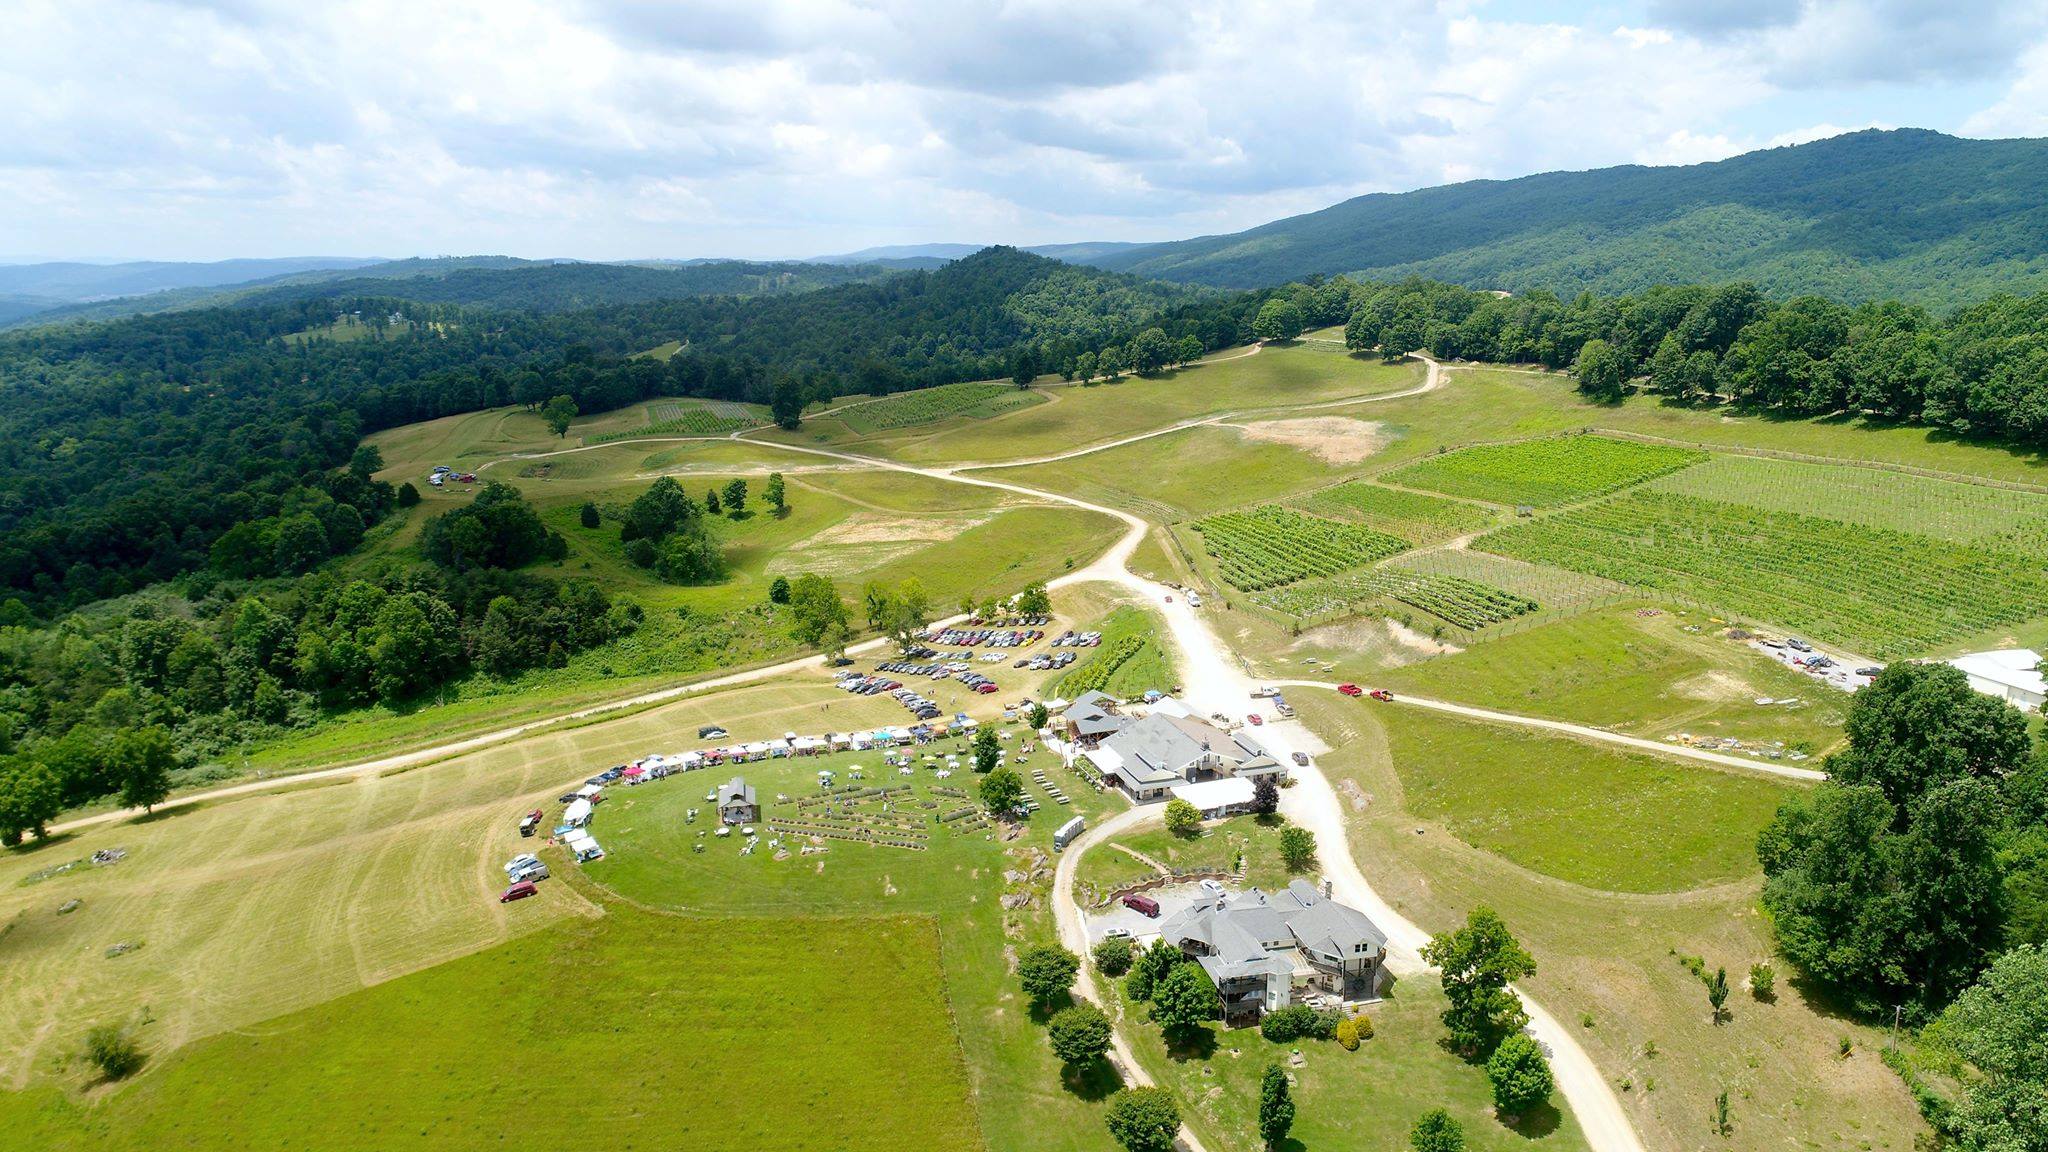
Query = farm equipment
x=1382 y=694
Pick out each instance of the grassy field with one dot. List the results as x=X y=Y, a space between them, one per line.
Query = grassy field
x=1579 y=812
x=1079 y=415
x=1020 y=1099
x=1219 y=846
x=618 y=1031
x=1413 y=516
x=1877 y=591
x=1608 y=958
x=253 y=916
x=1368 y=1099
x=1544 y=473
x=1649 y=675
x=1193 y=472
x=260 y=906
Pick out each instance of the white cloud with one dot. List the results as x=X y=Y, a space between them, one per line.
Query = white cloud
x=611 y=128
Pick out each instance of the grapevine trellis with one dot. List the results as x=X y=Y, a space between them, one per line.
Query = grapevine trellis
x=673 y=418
x=1883 y=592
x=927 y=405
x=1462 y=603
x=1269 y=545
x=1544 y=473
x=1095 y=673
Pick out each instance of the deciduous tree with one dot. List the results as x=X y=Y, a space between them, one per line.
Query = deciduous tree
x=1276 y=1106
x=1478 y=962
x=1079 y=1034
x=1143 y=1119
x=1046 y=972
x=1519 y=1074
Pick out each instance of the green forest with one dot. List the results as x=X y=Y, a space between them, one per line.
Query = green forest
x=1909 y=214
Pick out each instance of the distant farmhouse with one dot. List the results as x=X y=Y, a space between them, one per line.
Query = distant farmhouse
x=1267 y=952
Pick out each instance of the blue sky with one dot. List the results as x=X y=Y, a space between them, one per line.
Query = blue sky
x=606 y=129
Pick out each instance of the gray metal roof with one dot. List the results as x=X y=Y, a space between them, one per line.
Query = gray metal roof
x=736 y=791
x=1236 y=929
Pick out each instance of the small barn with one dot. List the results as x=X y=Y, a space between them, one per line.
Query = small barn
x=736 y=804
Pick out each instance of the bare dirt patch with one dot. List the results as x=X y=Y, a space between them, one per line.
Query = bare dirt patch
x=1409 y=638
x=1714 y=686
x=1333 y=439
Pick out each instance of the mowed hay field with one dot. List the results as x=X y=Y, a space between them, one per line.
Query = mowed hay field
x=634 y=1031
x=249 y=908
x=1609 y=957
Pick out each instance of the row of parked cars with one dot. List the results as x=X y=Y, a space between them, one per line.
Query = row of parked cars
x=1077 y=640
x=1044 y=660
x=988 y=637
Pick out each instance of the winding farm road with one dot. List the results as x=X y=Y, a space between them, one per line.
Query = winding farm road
x=1213 y=680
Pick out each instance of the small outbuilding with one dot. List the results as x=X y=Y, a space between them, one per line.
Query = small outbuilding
x=736 y=803
x=1215 y=799
x=2012 y=675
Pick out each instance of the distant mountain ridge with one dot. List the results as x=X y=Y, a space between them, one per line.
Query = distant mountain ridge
x=1908 y=213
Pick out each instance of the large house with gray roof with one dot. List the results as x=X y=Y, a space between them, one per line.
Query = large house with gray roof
x=1266 y=952
x=1147 y=757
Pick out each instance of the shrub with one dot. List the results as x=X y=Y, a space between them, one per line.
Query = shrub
x=1182 y=818
x=1324 y=1027
x=1113 y=957
x=1143 y=1119
x=1436 y=1132
x=1283 y=1025
x=1520 y=1075
x=1364 y=1025
x=1763 y=981
x=1347 y=1036
x=113 y=1051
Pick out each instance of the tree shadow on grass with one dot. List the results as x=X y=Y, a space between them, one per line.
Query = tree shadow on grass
x=1041 y=1014
x=1191 y=1044
x=1536 y=1123
x=35 y=845
x=1096 y=1080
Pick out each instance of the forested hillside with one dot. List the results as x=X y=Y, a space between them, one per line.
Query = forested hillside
x=128 y=449
x=1908 y=214
x=568 y=287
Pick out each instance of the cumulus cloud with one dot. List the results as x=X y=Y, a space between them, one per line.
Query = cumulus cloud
x=610 y=128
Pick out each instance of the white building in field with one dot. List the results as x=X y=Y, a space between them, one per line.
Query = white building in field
x=2013 y=675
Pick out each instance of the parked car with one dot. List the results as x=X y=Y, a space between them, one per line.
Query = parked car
x=1301 y=758
x=1256 y=719
x=1350 y=690
x=1143 y=905
x=1212 y=887
x=519 y=891
x=711 y=732
x=520 y=861
x=530 y=822
x=1797 y=645
x=535 y=871
x=1117 y=933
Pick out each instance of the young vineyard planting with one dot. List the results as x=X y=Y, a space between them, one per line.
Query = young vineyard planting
x=1544 y=473
x=929 y=405
x=1461 y=603
x=1877 y=591
x=674 y=419
x=1409 y=515
x=1269 y=546
x=1092 y=676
